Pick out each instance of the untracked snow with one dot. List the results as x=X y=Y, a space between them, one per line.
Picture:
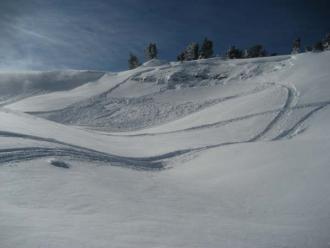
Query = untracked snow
x=207 y=153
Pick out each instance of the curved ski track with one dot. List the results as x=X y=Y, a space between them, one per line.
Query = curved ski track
x=157 y=162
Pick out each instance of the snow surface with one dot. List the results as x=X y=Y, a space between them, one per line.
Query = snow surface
x=208 y=153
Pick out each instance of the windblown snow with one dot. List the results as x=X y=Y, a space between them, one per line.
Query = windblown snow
x=207 y=153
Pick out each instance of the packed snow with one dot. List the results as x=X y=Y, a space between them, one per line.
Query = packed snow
x=207 y=153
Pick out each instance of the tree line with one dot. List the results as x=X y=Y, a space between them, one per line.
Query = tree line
x=194 y=51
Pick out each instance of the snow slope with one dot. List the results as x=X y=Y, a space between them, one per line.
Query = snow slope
x=208 y=153
x=15 y=86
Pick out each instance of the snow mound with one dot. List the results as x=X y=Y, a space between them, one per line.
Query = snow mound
x=59 y=163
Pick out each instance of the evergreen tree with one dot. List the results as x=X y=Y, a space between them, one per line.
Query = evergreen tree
x=308 y=48
x=151 y=51
x=191 y=52
x=255 y=51
x=180 y=57
x=296 y=46
x=326 y=42
x=318 y=47
x=206 y=49
x=234 y=53
x=133 y=61
x=245 y=53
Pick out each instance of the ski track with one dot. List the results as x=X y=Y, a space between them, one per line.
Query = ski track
x=290 y=132
x=280 y=111
x=157 y=162
x=289 y=103
x=100 y=99
x=102 y=95
x=143 y=163
x=30 y=153
x=71 y=151
x=78 y=152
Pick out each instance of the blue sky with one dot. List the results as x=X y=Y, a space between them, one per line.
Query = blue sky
x=99 y=34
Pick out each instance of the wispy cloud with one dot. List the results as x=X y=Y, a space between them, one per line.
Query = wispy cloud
x=37 y=35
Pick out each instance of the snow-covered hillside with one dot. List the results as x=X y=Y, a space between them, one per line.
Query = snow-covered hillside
x=208 y=153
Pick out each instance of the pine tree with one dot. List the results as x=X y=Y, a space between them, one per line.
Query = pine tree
x=255 y=51
x=133 y=61
x=318 y=47
x=151 y=51
x=308 y=48
x=326 y=42
x=191 y=52
x=234 y=53
x=180 y=57
x=206 y=49
x=296 y=46
x=245 y=53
